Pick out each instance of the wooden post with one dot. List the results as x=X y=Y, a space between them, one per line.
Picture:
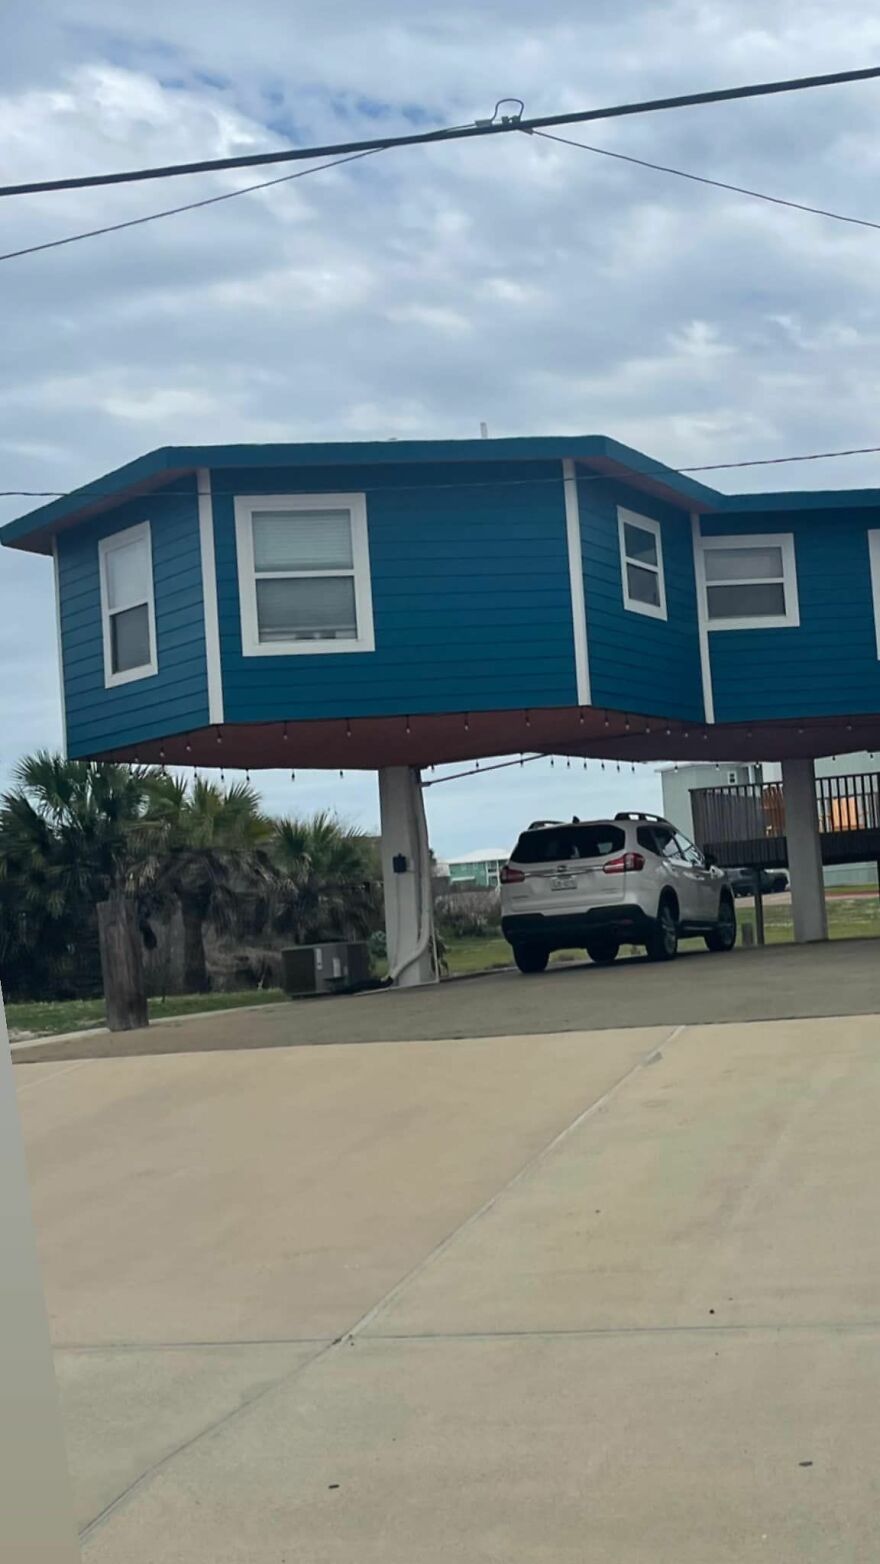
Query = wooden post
x=122 y=964
x=759 y=908
x=36 y=1512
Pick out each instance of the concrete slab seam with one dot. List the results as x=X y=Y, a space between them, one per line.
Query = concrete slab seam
x=527 y=1168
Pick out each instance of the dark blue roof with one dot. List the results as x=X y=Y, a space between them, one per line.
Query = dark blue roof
x=34 y=530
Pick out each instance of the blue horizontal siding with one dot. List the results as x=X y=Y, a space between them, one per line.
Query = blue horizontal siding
x=471 y=595
x=176 y=698
x=639 y=663
x=827 y=665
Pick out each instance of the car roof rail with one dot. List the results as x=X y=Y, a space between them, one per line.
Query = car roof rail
x=640 y=814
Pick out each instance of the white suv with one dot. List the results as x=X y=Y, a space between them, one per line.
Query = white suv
x=599 y=884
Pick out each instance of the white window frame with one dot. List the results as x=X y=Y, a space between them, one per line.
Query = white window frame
x=647 y=524
x=356 y=505
x=874 y=560
x=745 y=540
x=115 y=540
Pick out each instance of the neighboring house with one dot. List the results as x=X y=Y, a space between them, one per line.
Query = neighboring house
x=477 y=871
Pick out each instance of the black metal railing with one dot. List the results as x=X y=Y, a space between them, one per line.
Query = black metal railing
x=745 y=823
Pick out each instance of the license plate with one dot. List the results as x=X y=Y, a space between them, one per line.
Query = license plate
x=563 y=882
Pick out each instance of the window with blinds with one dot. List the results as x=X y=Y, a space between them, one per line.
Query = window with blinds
x=304 y=574
x=750 y=582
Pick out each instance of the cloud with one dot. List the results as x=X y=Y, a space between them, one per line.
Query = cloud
x=415 y=293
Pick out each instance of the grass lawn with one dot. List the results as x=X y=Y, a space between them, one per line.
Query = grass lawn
x=46 y=1017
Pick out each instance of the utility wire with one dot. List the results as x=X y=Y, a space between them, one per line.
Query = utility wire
x=493 y=127
x=99 y=491
x=703 y=179
x=190 y=206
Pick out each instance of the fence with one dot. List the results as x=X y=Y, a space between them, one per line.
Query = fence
x=745 y=823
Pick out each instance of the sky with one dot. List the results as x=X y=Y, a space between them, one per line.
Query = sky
x=540 y=288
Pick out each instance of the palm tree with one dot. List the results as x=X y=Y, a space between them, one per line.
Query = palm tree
x=66 y=834
x=328 y=879
x=206 y=849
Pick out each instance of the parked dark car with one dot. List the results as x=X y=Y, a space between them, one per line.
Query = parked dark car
x=742 y=881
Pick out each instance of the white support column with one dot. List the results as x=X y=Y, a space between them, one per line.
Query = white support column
x=804 y=851
x=36 y=1514
x=406 y=872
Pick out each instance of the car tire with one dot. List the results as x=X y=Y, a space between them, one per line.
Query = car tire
x=531 y=958
x=603 y=951
x=662 y=942
x=723 y=936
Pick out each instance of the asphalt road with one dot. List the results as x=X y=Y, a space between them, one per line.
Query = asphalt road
x=841 y=977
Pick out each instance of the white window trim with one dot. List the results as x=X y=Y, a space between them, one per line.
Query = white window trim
x=106 y=546
x=874 y=559
x=356 y=504
x=647 y=524
x=782 y=540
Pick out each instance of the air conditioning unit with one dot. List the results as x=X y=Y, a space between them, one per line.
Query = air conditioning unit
x=330 y=968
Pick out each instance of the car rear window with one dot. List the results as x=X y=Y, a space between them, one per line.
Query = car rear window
x=568 y=841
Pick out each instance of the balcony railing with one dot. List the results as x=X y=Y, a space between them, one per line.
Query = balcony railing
x=745 y=824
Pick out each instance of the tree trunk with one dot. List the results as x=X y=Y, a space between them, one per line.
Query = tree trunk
x=122 y=964
x=195 y=971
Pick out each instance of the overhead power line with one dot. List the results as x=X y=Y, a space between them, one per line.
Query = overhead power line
x=702 y=179
x=494 y=127
x=100 y=492
x=189 y=206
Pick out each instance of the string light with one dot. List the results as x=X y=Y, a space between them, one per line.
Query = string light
x=528 y=720
x=188 y=747
x=467 y=725
x=409 y=729
x=348 y=727
x=284 y=734
x=293 y=776
x=219 y=737
x=581 y=717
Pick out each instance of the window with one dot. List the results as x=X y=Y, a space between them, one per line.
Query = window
x=689 y=852
x=125 y=562
x=750 y=581
x=304 y=574
x=658 y=839
x=874 y=561
x=641 y=564
x=568 y=842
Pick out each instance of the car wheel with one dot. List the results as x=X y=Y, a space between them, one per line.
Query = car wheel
x=603 y=951
x=723 y=936
x=531 y=958
x=662 y=942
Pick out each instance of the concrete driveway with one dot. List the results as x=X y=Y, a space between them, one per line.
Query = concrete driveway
x=605 y=1295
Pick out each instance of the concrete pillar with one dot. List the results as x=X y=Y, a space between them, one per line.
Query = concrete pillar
x=804 y=851
x=36 y=1514
x=406 y=874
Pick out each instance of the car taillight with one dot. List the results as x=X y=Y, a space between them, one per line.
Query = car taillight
x=510 y=876
x=624 y=864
